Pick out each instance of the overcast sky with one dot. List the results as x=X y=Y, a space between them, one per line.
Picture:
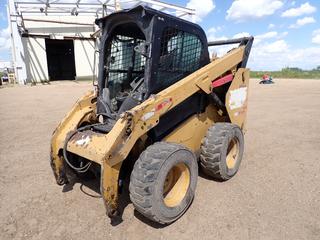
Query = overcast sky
x=287 y=33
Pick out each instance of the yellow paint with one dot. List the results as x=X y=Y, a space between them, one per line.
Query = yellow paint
x=176 y=185
x=241 y=80
x=191 y=132
x=232 y=153
x=109 y=186
x=83 y=110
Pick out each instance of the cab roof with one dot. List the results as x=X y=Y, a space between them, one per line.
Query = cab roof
x=145 y=11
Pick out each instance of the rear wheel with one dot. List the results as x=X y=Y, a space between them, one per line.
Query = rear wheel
x=221 y=151
x=163 y=181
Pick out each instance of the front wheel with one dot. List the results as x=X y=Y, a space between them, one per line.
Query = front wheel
x=163 y=181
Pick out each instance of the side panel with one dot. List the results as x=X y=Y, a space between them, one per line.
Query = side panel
x=191 y=132
x=237 y=97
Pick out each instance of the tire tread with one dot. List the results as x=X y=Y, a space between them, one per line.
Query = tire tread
x=144 y=175
x=211 y=148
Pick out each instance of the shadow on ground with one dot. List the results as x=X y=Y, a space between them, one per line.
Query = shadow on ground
x=93 y=183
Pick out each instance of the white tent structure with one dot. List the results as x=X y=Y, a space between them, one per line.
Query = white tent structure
x=57 y=39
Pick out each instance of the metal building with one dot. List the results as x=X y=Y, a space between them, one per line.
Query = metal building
x=58 y=40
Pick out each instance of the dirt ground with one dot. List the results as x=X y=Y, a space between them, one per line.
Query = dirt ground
x=275 y=195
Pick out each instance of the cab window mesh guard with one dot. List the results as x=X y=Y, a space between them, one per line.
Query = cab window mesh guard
x=123 y=64
x=180 y=54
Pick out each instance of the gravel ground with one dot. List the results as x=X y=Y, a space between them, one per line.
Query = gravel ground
x=275 y=195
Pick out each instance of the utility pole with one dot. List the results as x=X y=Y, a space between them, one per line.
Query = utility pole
x=13 y=47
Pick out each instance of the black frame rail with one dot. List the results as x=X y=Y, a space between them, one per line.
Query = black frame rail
x=245 y=41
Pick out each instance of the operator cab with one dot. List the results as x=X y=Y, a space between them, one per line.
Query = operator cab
x=142 y=52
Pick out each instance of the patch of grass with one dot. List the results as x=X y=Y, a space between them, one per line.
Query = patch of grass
x=289 y=73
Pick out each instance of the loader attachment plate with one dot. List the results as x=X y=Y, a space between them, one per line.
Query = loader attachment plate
x=88 y=144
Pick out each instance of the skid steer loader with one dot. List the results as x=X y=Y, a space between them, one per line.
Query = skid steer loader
x=160 y=104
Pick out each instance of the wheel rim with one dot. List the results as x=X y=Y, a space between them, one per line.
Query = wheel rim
x=176 y=185
x=232 y=153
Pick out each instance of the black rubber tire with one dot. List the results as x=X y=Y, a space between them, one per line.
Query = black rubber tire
x=148 y=176
x=214 y=147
